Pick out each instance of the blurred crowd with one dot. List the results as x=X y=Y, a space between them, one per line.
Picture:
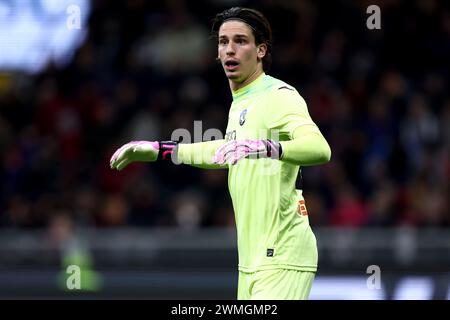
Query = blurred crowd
x=380 y=98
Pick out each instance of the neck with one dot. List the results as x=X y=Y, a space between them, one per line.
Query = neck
x=237 y=85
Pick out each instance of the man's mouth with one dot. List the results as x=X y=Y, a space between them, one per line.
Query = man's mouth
x=231 y=65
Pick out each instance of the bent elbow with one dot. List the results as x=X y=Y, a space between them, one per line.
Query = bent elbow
x=325 y=155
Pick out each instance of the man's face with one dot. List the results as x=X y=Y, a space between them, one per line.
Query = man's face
x=238 y=53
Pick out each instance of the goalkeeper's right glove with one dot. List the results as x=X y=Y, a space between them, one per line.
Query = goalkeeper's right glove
x=143 y=151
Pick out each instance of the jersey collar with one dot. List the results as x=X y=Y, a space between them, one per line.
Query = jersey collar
x=249 y=89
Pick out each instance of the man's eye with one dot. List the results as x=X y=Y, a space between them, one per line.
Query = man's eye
x=222 y=42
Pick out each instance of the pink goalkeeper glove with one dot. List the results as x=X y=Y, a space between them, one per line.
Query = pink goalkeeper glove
x=235 y=150
x=141 y=151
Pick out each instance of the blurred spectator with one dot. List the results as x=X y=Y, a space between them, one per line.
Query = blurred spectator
x=349 y=209
x=114 y=211
x=188 y=209
x=162 y=51
x=419 y=130
x=383 y=210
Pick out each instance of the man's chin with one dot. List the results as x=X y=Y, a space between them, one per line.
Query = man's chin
x=233 y=76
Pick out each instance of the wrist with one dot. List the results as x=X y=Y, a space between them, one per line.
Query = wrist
x=280 y=151
x=166 y=149
x=274 y=149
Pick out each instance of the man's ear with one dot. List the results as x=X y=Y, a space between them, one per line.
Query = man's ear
x=261 y=50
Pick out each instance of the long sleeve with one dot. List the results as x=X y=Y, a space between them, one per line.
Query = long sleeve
x=308 y=147
x=199 y=154
x=301 y=140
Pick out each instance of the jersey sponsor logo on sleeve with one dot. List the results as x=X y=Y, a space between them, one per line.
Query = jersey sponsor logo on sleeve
x=270 y=252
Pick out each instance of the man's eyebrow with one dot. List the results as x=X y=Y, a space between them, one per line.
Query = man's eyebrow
x=234 y=36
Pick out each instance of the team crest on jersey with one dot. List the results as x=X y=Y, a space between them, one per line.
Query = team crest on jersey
x=242 y=117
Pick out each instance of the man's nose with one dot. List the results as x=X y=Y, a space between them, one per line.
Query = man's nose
x=230 y=48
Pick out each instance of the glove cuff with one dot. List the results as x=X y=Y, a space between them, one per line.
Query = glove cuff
x=166 y=148
x=274 y=149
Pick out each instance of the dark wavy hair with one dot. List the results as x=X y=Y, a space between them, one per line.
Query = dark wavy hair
x=260 y=26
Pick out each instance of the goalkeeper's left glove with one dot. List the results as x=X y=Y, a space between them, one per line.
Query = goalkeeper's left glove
x=142 y=151
x=235 y=150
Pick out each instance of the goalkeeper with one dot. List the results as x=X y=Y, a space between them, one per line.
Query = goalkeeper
x=276 y=247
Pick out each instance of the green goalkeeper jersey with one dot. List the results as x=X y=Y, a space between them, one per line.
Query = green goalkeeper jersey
x=272 y=223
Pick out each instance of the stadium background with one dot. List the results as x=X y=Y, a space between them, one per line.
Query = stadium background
x=140 y=69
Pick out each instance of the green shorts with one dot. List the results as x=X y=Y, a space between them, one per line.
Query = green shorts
x=275 y=284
